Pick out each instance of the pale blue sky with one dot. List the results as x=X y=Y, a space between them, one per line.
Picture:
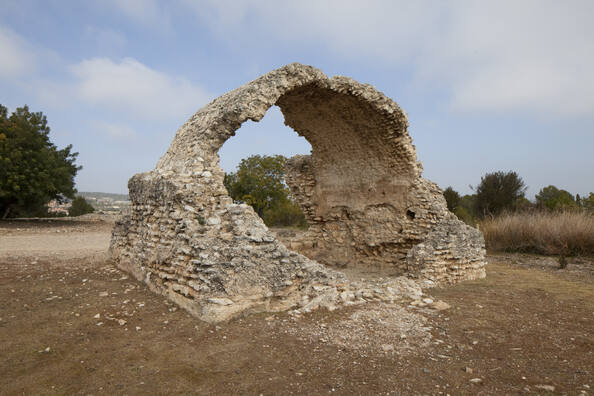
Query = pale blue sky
x=487 y=86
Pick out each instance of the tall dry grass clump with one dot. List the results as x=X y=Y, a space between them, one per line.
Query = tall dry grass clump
x=555 y=233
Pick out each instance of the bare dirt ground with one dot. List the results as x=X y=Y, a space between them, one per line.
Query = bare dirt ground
x=70 y=323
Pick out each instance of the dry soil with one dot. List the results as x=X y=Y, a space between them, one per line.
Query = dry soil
x=70 y=323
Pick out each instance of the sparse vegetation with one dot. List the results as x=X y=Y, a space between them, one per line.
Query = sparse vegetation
x=556 y=233
x=556 y=223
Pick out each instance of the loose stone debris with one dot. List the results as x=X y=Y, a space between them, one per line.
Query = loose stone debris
x=361 y=190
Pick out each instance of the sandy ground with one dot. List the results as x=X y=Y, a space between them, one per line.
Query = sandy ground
x=70 y=323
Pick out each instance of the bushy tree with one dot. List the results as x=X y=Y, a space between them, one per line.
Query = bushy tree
x=32 y=170
x=260 y=182
x=452 y=198
x=552 y=198
x=498 y=192
x=80 y=206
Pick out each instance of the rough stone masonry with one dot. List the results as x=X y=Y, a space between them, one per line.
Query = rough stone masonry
x=361 y=190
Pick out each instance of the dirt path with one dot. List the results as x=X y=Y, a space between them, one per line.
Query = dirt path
x=70 y=323
x=57 y=238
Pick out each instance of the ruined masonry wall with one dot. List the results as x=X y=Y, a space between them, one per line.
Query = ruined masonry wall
x=361 y=190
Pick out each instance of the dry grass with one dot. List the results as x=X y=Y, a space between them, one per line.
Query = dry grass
x=560 y=233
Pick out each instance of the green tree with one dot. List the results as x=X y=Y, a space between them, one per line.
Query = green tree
x=498 y=192
x=552 y=198
x=452 y=198
x=468 y=203
x=32 y=170
x=260 y=182
x=80 y=206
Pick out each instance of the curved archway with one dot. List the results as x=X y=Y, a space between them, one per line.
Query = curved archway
x=361 y=190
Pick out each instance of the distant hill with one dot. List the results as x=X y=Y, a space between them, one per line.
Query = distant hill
x=99 y=195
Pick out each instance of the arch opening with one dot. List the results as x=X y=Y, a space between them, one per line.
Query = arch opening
x=259 y=150
x=353 y=187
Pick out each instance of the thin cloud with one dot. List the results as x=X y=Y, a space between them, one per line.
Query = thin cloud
x=17 y=56
x=114 y=131
x=149 y=13
x=533 y=56
x=130 y=86
x=127 y=87
x=105 y=39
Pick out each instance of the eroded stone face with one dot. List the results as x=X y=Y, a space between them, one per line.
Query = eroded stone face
x=361 y=190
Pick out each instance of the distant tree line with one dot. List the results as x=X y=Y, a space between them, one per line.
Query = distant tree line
x=259 y=182
x=500 y=192
x=33 y=171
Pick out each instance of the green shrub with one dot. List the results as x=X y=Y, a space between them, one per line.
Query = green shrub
x=464 y=215
x=285 y=214
x=80 y=206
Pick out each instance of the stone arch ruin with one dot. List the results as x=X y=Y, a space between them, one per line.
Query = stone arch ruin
x=361 y=191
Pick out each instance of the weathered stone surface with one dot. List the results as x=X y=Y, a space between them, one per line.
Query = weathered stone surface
x=361 y=190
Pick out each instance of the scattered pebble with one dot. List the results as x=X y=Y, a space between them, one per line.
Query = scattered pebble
x=440 y=305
